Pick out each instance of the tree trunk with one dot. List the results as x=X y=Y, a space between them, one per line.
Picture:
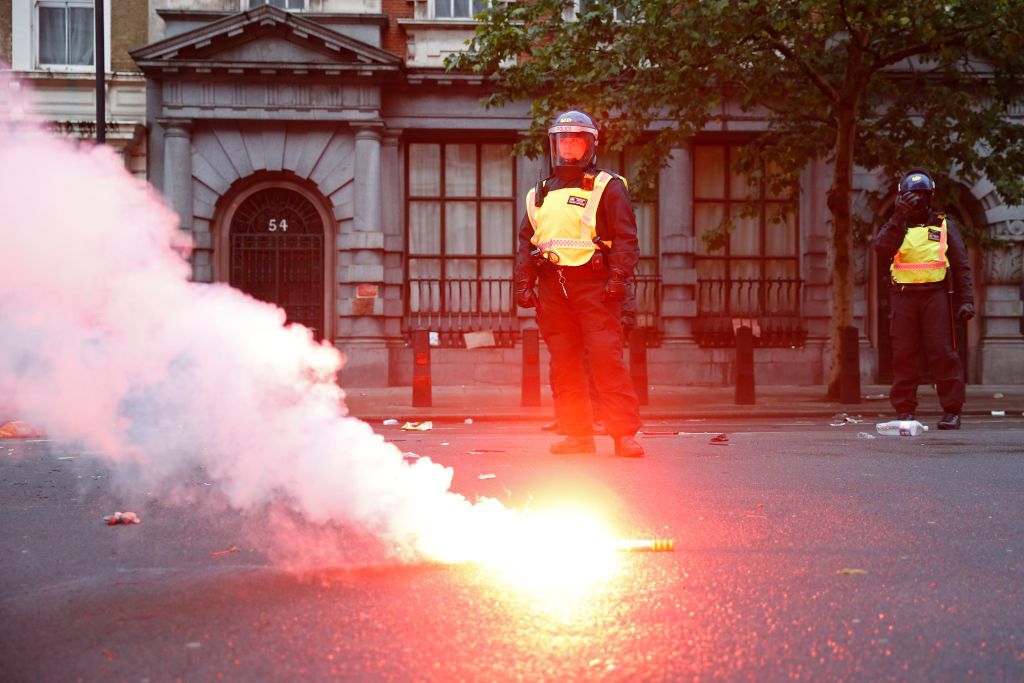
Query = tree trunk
x=841 y=253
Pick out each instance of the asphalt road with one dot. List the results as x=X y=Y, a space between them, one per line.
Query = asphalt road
x=802 y=551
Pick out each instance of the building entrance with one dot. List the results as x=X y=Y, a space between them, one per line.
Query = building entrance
x=277 y=254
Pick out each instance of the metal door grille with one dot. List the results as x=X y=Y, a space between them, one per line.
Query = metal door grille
x=277 y=254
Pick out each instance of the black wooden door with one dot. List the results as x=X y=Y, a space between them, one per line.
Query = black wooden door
x=277 y=254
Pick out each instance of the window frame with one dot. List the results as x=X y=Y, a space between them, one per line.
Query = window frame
x=730 y=204
x=578 y=8
x=442 y=256
x=36 y=52
x=473 y=10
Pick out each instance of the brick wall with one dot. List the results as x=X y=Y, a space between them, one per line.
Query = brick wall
x=129 y=31
x=394 y=36
x=5 y=31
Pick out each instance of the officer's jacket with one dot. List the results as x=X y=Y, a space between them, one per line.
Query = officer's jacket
x=904 y=244
x=566 y=204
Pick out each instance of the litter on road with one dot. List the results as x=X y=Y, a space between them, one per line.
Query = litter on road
x=487 y=476
x=418 y=426
x=227 y=551
x=389 y=422
x=851 y=571
x=19 y=430
x=122 y=518
x=719 y=440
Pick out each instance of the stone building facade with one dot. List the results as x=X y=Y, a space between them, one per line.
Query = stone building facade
x=323 y=159
x=49 y=47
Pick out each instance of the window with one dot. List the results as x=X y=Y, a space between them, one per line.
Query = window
x=459 y=9
x=460 y=217
x=754 y=276
x=283 y=4
x=627 y=163
x=65 y=33
x=619 y=13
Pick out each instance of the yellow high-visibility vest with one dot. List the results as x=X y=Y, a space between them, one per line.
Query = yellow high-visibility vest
x=565 y=224
x=922 y=256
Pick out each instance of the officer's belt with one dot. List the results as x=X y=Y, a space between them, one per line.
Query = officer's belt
x=584 y=272
x=919 y=286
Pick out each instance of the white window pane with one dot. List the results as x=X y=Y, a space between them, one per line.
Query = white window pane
x=707 y=217
x=496 y=268
x=497 y=228
x=709 y=172
x=426 y=295
x=461 y=8
x=738 y=183
x=52 y=35
x=771 y=172
x=496 y=174
x=460 y=228
x=645 y=223
x=80 y=31
x=780 y=233
x=745 y=237
x=424 y=228
x=442 y=9
x=460 y=170
x=461 y=269
x=424 y=170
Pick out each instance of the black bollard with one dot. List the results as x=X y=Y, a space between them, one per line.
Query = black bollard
x=849 y=366
x=638 y=363
x=422 y=388
x=531 y=368
x=745 y=367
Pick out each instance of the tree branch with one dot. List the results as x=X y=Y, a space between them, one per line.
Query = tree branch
x=954 y=38
x=816 y=78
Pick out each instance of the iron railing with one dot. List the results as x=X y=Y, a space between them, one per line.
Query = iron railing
x=454 y=306
x=770 y=306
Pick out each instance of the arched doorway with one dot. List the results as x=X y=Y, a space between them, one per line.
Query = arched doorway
x=276 y=245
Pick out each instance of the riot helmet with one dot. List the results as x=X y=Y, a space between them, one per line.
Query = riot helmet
x=918 y=188
x=573 y=141
x=917 y=181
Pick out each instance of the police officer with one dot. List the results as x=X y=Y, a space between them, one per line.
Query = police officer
x=930 y=277
x=577 y=251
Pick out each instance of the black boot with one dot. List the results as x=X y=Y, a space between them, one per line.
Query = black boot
x=574 y=444
x=627 y=447
x=950 y=421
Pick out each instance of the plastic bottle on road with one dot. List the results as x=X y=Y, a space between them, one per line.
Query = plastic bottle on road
x=901 y=428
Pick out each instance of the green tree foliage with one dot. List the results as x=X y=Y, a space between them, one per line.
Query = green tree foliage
x=884 y=86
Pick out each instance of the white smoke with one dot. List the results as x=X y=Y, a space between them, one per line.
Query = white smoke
x=105 y=341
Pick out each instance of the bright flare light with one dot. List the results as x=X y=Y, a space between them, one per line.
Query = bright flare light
x=563 y=550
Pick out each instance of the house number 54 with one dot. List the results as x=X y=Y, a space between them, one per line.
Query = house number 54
x=273 y=225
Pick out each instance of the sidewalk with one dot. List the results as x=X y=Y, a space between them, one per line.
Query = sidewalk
x=489 y=402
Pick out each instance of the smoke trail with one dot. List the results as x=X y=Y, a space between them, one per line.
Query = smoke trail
x=104 y=340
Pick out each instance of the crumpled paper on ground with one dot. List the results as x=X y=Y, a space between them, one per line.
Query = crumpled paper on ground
x=418 y=426
x=122 y=518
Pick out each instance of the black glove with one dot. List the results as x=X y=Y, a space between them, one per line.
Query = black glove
x=617 y=286
x=965 y=312
x=905 y=203
x=526 y=297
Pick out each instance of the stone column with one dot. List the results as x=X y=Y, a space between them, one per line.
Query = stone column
x=362 y=322
x=177 y=178
x=368 y=189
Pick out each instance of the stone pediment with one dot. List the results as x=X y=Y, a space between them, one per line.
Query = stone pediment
x=264 y=40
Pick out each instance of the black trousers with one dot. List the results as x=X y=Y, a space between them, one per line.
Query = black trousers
x=921 y=319
x=583 y=326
